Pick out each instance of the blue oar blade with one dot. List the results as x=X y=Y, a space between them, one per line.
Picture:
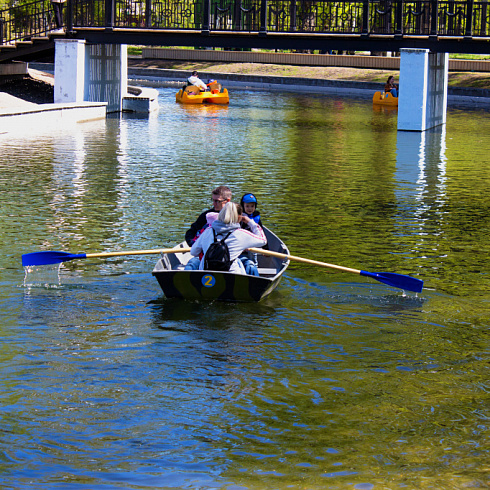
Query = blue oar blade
x=51 y=257
x=396 y=280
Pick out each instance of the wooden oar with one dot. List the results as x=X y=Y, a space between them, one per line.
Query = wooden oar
x=55 y=257
x=396 y=280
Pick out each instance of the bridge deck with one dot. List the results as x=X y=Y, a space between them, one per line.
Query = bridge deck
x=281 y=40
x=452 y=26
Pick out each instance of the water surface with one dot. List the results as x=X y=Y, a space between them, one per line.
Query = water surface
x=334 y=381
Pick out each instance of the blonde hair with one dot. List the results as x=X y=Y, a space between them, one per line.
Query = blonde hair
x=229 y=213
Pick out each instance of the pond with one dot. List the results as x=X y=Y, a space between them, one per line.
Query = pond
x=333 y=381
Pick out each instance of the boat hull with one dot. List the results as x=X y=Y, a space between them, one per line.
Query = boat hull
x=223 y=286
x=209 y=285
x=380 y=98
x=184 y=97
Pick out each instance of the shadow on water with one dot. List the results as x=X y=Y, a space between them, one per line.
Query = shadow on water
x=178 y=314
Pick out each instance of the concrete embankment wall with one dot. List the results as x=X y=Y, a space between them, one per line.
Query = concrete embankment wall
x=300 y=59
x=467 y=96
x=14 y=69
x=160 y=77
x=164 y=77
x=20 y=116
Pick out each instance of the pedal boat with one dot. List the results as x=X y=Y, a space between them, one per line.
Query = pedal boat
x=381 y=98
x=193 y=95
x=223 y=286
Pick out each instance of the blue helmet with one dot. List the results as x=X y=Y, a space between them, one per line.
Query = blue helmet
x=248 y=198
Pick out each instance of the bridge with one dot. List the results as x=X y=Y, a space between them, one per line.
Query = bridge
x=442 y=26
x=91 y=56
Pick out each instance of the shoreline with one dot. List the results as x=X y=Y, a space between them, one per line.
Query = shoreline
x=38 y=87
x=155 y=73
x=357 y=82
x=159 y=77
x=480 y=80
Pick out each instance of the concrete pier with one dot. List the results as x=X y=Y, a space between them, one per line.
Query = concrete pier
x=69 y=71
x=90 y=73
x=422 y=100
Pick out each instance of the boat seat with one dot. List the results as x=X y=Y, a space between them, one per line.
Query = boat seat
x=214 y=86
x=267 y=271
x=192 y=88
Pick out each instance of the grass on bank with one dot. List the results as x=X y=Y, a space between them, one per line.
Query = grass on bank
x=137 y=51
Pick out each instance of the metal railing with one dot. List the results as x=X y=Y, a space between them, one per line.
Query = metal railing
x=468 y=18
x=25 y=21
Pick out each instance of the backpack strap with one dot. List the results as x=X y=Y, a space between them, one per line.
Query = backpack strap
x=227 y=245
x=223 y=239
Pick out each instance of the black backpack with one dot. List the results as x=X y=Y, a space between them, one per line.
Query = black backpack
x=217 y=256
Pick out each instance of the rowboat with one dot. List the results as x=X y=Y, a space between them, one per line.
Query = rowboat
x=224 y=286
x=381 y=98
x=193 y=95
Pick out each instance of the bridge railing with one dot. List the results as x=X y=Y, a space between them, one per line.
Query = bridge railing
x=24 y=21
x=469 y=18
x=390 y=17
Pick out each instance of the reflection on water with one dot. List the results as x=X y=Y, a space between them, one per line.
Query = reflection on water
x=333 y=381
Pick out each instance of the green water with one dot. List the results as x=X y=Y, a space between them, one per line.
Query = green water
x=334 y=381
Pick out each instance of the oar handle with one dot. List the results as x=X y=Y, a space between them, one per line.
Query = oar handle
x=305 y=261
x=141 y=252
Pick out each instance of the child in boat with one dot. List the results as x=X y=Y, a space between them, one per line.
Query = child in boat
x=248 y=202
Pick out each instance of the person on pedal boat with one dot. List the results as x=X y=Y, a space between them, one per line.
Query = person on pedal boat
x=195 y=80
x=391 y=87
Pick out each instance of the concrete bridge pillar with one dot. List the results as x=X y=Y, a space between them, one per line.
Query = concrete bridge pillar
x=90 y=73
x=422 y=102
x=69 y=70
